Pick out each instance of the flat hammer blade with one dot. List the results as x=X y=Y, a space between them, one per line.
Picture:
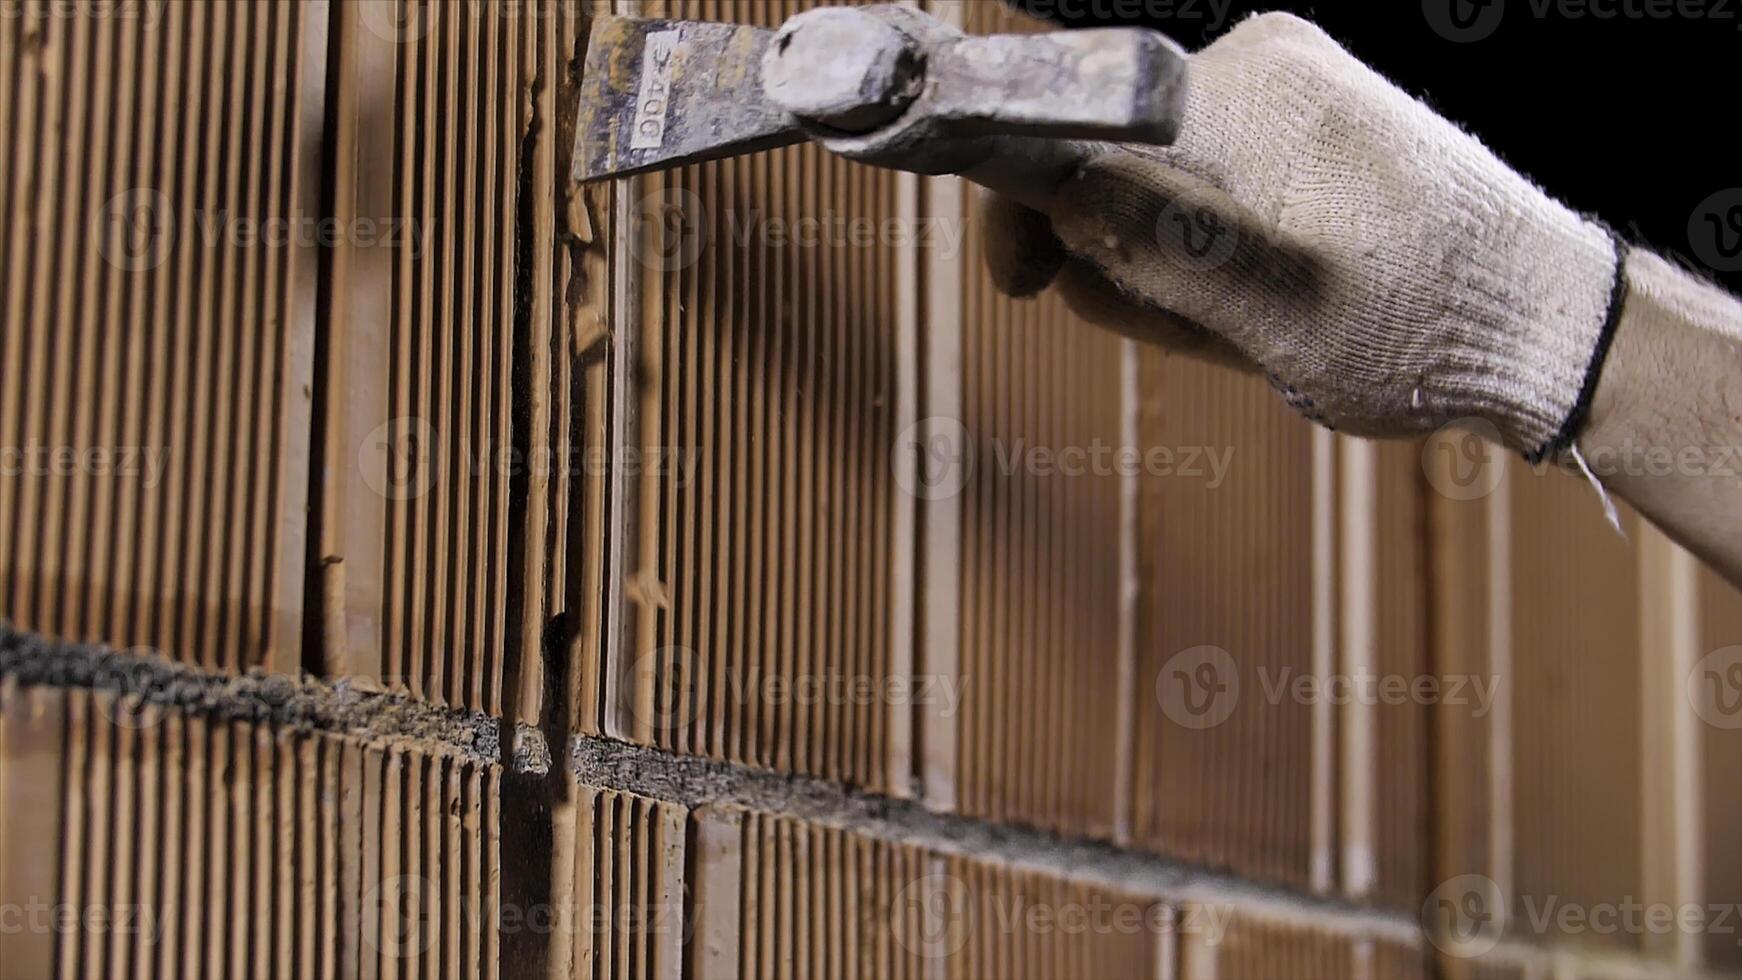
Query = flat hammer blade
x=657 y=94
x=885 y=84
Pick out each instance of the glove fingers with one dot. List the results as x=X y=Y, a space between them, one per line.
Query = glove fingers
x=1178 y=243
x=1096 y=299
x=1023 y=255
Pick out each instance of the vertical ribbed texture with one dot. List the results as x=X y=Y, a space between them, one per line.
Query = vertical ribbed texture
x=818 y=901
x=459 y=116
x=154 y=335
x=628 y=896
x=1400 y=635
x=1577 y=720
x=200 y=847
x=758 y=586
x=1720 y=753
x=582 y=392
x=1469 y=748
x=1026 y=924
x=1228 y=567
x=822 y=902
x=1039 y=641
x=1257 y=947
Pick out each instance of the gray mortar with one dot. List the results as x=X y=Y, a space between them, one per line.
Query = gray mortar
x=531 y=750
x=700 y=782
x=298 y=703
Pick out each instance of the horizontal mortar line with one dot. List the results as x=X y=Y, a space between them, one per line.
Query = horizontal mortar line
x=694 y=782
x=297 y=702
x=1593 y=961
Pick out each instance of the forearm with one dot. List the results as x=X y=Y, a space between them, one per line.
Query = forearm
x=1665 y=431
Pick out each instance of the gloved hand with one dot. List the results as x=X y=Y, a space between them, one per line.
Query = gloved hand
x=1382 y=267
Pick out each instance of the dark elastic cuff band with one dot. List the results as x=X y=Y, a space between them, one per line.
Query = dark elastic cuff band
x=1575 y=421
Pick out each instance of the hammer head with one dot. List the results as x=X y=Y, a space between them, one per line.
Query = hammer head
x=657 y=94
x=887 y=84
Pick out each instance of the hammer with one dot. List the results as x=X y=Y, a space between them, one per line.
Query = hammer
x=887 y=84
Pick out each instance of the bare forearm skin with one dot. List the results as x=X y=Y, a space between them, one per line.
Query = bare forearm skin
x=1665 y=431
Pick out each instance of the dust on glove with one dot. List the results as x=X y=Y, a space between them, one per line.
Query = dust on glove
x=1382 y=267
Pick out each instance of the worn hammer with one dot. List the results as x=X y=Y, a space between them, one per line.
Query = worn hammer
x=886 y=84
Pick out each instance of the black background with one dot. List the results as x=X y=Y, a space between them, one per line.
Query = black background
x=1630 y=116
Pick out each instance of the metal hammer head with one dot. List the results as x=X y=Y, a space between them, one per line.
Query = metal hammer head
x=887 y=84
x=842 y=68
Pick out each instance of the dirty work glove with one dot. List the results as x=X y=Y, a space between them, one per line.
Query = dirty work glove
x=1382 y=267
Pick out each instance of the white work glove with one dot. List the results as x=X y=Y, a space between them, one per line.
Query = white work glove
x=1382 y=267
